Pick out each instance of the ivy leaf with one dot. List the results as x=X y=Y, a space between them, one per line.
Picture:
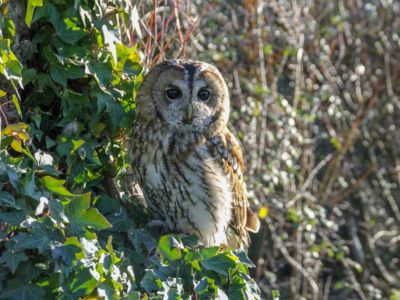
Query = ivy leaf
x=80 y=215
x=24 y=292
x=13 y=259
x=56 y=186
x=25 y=240
x=56 y=210
x=206 y=288
x=66 y=29
x=169 y=247
x=13 y=218
x=220 y=263
x=28 y=187
x=151 y=283
x=6 y=199
x=16 y=145
x=92 y=217
x=16 y=104
x=30 y=9
x=83 y=283
x=114 y=110
x=102 y=74
x=57 y=73
x=9 y=28
x=244 y=259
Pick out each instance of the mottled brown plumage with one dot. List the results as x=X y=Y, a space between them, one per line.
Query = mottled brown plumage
x=188 y=163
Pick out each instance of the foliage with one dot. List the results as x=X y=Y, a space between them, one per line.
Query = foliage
x=65 y=231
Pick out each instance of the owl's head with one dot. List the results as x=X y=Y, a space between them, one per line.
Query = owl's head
x=185 y=95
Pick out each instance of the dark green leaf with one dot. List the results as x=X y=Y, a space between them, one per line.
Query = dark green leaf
x=6 y=199
x=66 y=29
x=24 y=292
x=13 y=259
x=220 y=263
x=58 y=74
x=28 y=187
x=151 y=283
x=102 y=73
x=13 y=218
x=244 y=259
x=28 y=75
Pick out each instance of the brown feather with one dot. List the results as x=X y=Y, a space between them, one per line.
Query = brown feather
x=227 y=150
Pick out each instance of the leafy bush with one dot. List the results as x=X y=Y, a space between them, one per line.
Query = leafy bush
x=65 y=230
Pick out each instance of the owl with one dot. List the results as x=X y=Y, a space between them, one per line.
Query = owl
x=188 y=163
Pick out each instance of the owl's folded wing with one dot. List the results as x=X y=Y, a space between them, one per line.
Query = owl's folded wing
x=229 y=152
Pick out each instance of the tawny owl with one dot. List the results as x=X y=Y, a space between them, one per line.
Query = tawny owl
x=188 y=163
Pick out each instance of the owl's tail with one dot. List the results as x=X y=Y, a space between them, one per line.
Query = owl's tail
x=252 y=222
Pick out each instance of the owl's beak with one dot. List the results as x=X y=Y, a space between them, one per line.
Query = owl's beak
x=189 y=112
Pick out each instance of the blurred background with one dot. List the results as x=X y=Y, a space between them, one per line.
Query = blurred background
x=315 y=101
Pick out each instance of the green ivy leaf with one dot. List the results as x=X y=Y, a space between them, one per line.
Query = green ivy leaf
x=244 y=259
x=80 y=215
x=30 y=9
x=56 y=186
x=9 y=28
x=6 y=199
x=36 y=240
x=13 y=218
x=28 y=187
x=83 y=283
x=151 y=283
x=13 y=259
x=206 y=288
x=16 y=104
x=66 y=29
x=24 y=292
x=220 y=263
x=92 y=217
x=169 y=247
x=58 y=74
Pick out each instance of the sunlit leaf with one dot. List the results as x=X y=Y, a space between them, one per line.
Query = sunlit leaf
x=170 y=247
x=16 y=103
x=30 y=10
x=55 y=186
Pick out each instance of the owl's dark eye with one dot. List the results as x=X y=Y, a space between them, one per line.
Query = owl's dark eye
x=203 y=94
x=173 y=93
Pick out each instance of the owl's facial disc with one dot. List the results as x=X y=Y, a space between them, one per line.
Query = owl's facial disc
x=189 y=95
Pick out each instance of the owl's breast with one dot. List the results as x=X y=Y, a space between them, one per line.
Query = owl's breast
x=187 y=188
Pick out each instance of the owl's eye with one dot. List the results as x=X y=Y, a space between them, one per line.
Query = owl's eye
x=173 y=93
x=203 y=94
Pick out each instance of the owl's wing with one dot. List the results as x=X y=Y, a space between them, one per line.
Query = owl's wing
x=228 y=151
